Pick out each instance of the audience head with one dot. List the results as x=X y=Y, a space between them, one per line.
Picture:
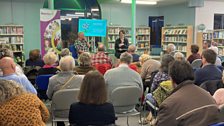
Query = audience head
x=206 y=44
x=126 y=58
x=34 y=55
x=5 y=52
x=101 y=48
x=144 y=57
x=131 y=49
x=65 y=52
x=67 y=63
x=179 y=56
x=194 y=49
x=219 y=97
x=208 y=56
x=50 y=58
x=93 y=89
x=180 y=71
x=121 y=33
x=84 y=59
x=7 y=65
x=81 y=35
x=215 y=49
x=165 y=62
x=171 y=48
x=9 y=89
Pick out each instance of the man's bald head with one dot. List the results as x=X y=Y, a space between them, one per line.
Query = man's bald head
x=101 y=48
x=7 y=64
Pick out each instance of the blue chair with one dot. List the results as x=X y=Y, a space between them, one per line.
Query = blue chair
x=42 y=85
x=218 y=124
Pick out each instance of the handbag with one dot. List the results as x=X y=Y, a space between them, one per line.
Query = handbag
x=66 y=83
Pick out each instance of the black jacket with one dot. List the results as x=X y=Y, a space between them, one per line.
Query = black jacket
x=119 y=50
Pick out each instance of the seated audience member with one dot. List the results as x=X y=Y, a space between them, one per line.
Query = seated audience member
x=100 y=57
x=209 y=71
x=49 y=59
x=206 y=45
x=65 y=52
x=219 y=97
x=34 y=58
x=171 y=49
x=179 y=56
x=19 y=107
x=122 y=75
x=84 y=64
x=92 y=108
x=188 y=104
x=5 y=52
x=8 y=68
x=65 y=79
x=195 y=55
x=162 y=75
x=148 y=66
x=218 y=61
x=131 y=50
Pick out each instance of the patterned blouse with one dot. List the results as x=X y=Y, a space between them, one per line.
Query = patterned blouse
x=159 y=77
x=23 y=110
x=81 y=45
x=101 y=58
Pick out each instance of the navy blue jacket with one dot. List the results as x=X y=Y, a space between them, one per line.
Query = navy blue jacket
x=208 y=72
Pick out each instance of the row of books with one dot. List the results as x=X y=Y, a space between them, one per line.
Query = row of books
x=16 y=47
x=176 y=39
x=143 y=45
x=143 y=37
x=112 y=38
x=218 y=34
x=11 y=30
x=175 y=31
x=11 y=40
x=116 y=30
x=179 y=48
x=207 y=36
x=143 y=31
x=111 y=45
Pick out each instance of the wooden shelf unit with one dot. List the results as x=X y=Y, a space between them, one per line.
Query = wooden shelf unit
x=180 y=36
x=13 y=35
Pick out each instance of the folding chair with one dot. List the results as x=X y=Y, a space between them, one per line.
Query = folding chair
x=124 y=100
x=196 y=63
x=61 y=102
x=42 y=85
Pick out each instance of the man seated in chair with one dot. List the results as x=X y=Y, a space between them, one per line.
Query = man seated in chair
x=8 y=67
x=131 y=50
x=188 y=104
x=65 y=79
x=209 y=70
x=100 y=57
x=122 y=75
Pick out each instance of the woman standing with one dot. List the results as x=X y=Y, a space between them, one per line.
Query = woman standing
x=92 y=107
x=121 y=44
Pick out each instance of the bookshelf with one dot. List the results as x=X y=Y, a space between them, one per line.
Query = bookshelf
x=204 y=36
x=113 y=34
x=218 y=37
x=180 y=36
x=142 y=38
x=13 y=35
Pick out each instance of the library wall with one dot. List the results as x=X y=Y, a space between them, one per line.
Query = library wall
x=120 y=14
x=178 y=14
x=205 y=15
x=26 y=13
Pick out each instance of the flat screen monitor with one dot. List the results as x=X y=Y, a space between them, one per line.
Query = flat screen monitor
x=93 y=27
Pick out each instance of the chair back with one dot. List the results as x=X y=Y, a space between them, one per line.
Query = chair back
x=125 y=98
x=61 y=101
x=42 y=81
x=196 y=63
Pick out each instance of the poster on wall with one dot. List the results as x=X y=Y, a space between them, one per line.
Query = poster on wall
x=50 y=28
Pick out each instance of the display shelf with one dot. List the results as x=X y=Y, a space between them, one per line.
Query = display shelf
x=218 y=37
x=180 y=36
x=13 y=35
x=143 y=39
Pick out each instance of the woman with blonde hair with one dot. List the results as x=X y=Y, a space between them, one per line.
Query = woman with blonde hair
x=92 y=107
x=18 y=107
x=49 y=68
